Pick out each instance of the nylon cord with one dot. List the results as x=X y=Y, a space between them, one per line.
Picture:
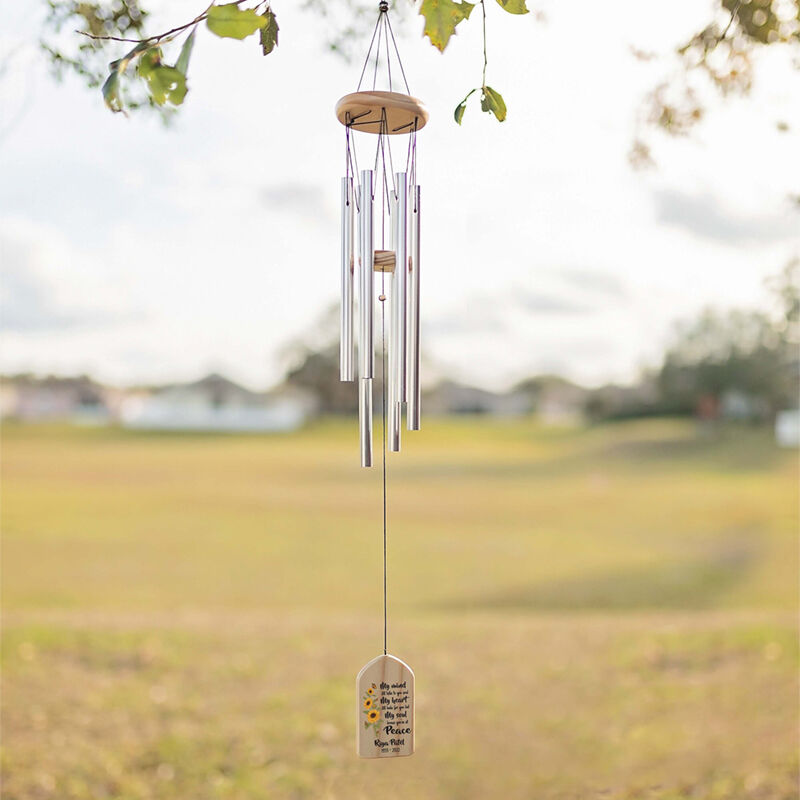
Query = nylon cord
x=388 y=58
x=383 y=409
x=366 y=60
x=378 y=51
x=397 y=51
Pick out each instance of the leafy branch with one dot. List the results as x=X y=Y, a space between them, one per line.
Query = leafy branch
x=491 y=100
x=158 y=37
x=167 y=83
x=721 y=58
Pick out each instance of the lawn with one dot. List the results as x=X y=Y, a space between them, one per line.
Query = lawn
x=606 y=612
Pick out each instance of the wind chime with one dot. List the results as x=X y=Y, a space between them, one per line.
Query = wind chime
x=384 y=207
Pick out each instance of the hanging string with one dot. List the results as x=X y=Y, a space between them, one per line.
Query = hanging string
x=412 y=155
x=383 y=132
x=408 y=153
x=381 y=23
x=378 y=51
x=397 y=52
x=352 y=157
x=391 y=163
x=388 y=60
x=369 y=51
x=383 y=409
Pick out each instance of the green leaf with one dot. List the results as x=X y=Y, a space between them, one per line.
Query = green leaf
x=164 y=83
x=514 y=6
x=493 y=102
x=458 y=114
x=167 y=84
x=182 y=64
x=121 y=65
x=148 y=61
x=111 y=92
x=269 y=33
x=232 y=22
x=441 y=18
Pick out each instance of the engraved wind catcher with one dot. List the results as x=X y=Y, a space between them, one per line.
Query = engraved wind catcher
x=380 y=263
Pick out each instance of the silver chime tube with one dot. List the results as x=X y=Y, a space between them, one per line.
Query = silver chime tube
x=413 y=322
x=393 y=419
x=366 y=278
x=393 y=405
x=346 y=340
x=399 y=284
x=365 y=420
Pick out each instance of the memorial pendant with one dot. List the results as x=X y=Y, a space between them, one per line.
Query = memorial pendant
x=385 y=712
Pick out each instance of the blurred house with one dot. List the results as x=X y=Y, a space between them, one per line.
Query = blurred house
x=217 y=404
x=449 y=397
x=738 y=405
x=51 y=398
x=555 y=400
x=787 y=428
x=614 y=401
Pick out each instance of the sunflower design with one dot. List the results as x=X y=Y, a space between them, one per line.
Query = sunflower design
x=371 y=713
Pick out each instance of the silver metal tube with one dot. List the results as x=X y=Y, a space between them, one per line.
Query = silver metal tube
x=395 y=423
x=366 y=279
x=346 y=342
x=413 y=322
x=365 y=420
x=400 y=284
x=357 y=269
x=393 y=406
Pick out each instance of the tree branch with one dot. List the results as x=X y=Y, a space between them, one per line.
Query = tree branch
x=159 y=37
x=730 y=22
x=485 y=59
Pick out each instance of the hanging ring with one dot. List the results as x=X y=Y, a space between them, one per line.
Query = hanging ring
x=383 y=6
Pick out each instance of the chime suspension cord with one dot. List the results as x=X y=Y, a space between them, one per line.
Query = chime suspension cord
x=377 y=52
x=366 y=60
x=397 y=53
x=379 y=32
x=381 y=136
x=383 y=408
x=386 y=41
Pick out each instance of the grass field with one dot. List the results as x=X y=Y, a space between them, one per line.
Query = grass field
x=601 y=613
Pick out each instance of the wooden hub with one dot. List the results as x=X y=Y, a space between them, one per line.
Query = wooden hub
x=364 y=111
x=384 y=261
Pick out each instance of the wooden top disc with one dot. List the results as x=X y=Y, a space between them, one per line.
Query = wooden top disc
x=363 y=111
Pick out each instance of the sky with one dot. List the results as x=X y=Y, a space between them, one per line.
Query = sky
x=139 y=253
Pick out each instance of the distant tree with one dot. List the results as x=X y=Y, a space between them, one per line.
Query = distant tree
x=311 y=362
x=613 y=401
x=750 y=352
x=719 y=58
x=318 y=373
